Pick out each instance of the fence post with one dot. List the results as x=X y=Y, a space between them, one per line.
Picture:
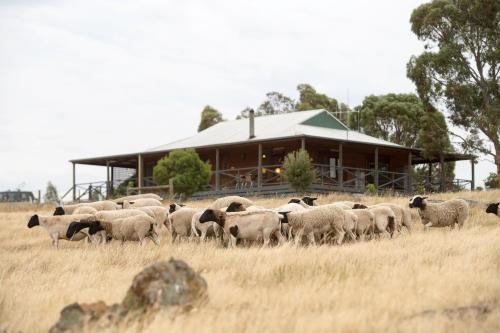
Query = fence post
x=259 y=171
x=376 y=169
x=472 y=181
x=341 y=168
x=171 y=188
x=74 y=182
x=217 y=169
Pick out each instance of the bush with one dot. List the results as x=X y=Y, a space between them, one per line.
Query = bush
x=299 y=171
x=491 y=181
x=371 y=189
x=188 y=172
x=51 y=193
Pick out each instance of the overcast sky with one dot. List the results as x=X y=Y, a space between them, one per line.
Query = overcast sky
x=90 y=78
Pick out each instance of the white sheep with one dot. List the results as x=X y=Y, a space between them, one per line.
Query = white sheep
x=492 y=208
x=299 y=202
x=57 y=226
x=289 y=207
x=180 y=222
x=317 y=221
x=402 y=214
x=85 y=210
x=98 y=205
x=159 y=213
x=109 y=216
x=210 y=228
x=141 y=203
x=254 y=226
x=226 y=201
x=138 y=196
x=442 y=214
x=174 y=207
x=134 y=228
x=365 y=224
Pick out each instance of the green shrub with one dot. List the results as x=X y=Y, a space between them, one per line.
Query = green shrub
x=188 y=172
x=299 y=171
x=491 y=181
x=371 y=189
x=51 y=194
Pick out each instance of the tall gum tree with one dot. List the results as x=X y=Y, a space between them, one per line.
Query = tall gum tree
x=459 y=68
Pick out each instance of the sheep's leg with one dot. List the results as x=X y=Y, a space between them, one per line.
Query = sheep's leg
x=232 y=241
x=311 y=239
x=362 y=237
x=203 y=235
x=280 y=237
x=351 y=235
x=174 y=236
x=267 y=240
x=298 y=237
x=55 y=239
x=155 y=240
x=340 y=237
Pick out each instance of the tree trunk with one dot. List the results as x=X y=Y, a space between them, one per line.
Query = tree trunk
x=497 y=162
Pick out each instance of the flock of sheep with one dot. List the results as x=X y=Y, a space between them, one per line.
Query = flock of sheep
x=236 y=219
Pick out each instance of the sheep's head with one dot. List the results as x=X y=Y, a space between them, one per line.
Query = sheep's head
x=75 y=227
x=284 y=219
x=235 y=207
x=492 y=208
x=309 y=200
x=34 y=221
x=59 y=211
x=359 y=206
x=418 y=201
x=174 y=207
x=95 y=228
x=214 y=215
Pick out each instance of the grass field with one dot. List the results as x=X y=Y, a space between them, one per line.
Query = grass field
x=428 y=281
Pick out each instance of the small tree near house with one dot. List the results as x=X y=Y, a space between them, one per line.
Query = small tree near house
x=51 y=194
x=189 y=173
x=299 y=171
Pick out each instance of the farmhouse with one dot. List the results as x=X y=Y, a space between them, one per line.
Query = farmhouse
x=247 y=157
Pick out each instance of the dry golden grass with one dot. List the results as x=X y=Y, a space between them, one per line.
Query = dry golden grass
x=381 y=285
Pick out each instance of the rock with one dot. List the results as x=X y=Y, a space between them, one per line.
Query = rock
x=157 y=287
x=164 y=284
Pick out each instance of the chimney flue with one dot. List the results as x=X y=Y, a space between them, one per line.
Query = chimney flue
x=251 y=119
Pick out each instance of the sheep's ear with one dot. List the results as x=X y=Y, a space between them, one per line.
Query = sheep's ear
x=312 y=199
x=182 y=205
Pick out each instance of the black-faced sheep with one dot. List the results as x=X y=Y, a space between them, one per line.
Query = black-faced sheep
x=492 y=208
x=442 y=214
x=226 y=201
x=254 y=226
x=134 y=228
x=143 y=202
x=98 y=205
x=138 y=196
x=210 y=228
x=180 y=222
x=317 y=221
x=57 y=226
